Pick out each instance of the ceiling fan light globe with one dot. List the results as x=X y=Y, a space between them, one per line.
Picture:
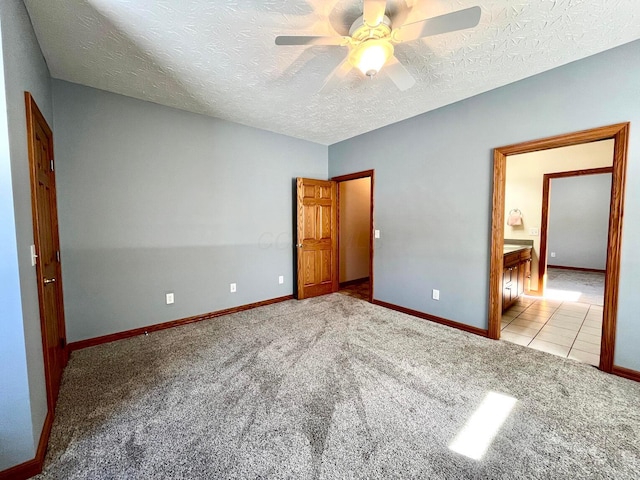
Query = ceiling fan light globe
x=370 y=56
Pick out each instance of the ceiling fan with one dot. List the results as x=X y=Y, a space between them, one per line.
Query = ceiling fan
x=372 y=38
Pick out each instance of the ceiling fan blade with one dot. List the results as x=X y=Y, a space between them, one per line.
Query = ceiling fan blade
x=450 y=22
x=311 y=40
x=373 y=12
x=398 y=74
x=339 y=74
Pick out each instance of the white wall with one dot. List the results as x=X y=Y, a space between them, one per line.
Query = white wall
x=434 y=185
x=523 y=189
x=579 y=221
x=22 y=371
x=355 y=214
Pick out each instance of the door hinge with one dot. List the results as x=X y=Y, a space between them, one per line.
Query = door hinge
x=63 y=343
x=52 y=169
x=58 y=255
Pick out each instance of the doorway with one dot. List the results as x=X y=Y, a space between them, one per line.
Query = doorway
x=573 y=208
x=47 y=248
x=355 y=234
x=619 y=134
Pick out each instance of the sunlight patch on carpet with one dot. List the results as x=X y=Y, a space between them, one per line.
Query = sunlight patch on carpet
x=563 y=295
x=477 y=434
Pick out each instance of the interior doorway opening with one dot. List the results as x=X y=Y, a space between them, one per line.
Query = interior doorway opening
x=565 y=319
x=355 y=234
x=619 y=134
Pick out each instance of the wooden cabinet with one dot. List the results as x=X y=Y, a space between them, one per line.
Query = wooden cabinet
x=516 y=276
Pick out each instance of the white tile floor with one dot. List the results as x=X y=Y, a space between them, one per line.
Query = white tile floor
x=567 y=329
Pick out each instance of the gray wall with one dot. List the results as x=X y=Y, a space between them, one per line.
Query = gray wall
x=579 y=221
x=434 y=184
x=21 y=364
x=155 y=200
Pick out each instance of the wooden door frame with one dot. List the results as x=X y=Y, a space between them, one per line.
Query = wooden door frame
x=34 y=115
x=345 y=178
x=544 y=222
x=620 y=134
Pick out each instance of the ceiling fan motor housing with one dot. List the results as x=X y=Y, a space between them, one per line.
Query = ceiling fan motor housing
x=360 y=31
x=372 y=42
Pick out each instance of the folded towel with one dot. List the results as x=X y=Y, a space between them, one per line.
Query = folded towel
x=514 y=219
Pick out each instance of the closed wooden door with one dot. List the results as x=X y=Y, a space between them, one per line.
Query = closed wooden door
x=47 y=243
x=317 y=243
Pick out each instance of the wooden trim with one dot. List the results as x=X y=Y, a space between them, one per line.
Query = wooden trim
x=353 y=176
x=565 y=140
x=544 y=227
x=22 y=471
x=354 y=282
x=432 y=318
x=335 y=250
x=581 y=172
x=544 y=223
x=620 y=134
x=371 y=238
x=112 y=337
x=577 y=269
x=626 y=373
x=496 y=255
x=614 y=247
x=346 y=178
x=34 y=466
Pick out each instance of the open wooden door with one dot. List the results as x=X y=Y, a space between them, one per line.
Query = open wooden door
x=317 y=240
x=47 y=244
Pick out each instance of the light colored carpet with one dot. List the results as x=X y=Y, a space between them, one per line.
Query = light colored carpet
x=590 y=285
x=333 y=387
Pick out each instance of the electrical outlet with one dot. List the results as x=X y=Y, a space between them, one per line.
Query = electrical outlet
x=232 y=288
x=553 y=254
x=281 y=279
x=170 y=298
x=534 y=232
x=376 y=233
x=435 y=294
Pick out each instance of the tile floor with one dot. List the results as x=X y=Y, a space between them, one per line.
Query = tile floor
x=567 y=329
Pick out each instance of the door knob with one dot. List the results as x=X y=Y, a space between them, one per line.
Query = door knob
x=47 y=281
x=299 y=245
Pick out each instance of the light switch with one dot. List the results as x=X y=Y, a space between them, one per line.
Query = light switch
x=376 y=233
x=232 y=288
x=535 y=231
x=169 y=298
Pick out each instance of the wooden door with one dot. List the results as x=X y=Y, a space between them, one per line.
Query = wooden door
x=47 y=243
x=317 y=242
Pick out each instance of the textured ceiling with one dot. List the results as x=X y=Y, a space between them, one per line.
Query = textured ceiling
x=218 y=57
